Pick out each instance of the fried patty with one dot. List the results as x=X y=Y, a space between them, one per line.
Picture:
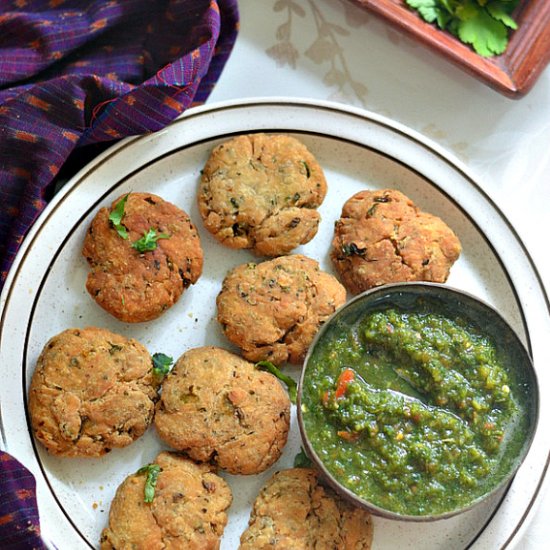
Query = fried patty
x=217 y=407
x=273 y=310
x=293 y=511
x=383 y=237
x=261 y=192
x=134 y=285
x=92 y=390
x=188 y=510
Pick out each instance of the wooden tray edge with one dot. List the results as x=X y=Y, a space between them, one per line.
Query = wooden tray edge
x=513 y=73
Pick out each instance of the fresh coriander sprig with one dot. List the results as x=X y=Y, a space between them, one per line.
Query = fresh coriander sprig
x=161 y=364
x=116 y=215
x=290 y=383
x=484 y=24
x=301 y=460
x=148 y=242
x=152 y=471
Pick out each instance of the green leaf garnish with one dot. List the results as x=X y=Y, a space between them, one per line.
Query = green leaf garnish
x=301 y=460
x=148 y=242
x=116 y=215
x=161 y=364
x=430 y=10
x=483 y=24
x=152 y=471
x=488 y=36
x=290 y=383
x=501 y=11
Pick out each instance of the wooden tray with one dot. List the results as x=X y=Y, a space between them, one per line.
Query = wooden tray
x=513 y=73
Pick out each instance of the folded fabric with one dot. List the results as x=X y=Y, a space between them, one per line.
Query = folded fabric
x=81 y=72
x=19 y=526
x=74 y=73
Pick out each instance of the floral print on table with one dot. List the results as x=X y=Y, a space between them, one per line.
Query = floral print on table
x=326 y=50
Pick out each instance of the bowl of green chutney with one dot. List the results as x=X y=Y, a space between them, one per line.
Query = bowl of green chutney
x=417 y=401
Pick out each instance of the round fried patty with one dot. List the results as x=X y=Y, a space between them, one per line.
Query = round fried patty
x=92 y=390
x=216 y=406
x=273 y=310
x=135 y=285
x=294 y=511
x=261 y=192
x=188 y=509
x=383 y=237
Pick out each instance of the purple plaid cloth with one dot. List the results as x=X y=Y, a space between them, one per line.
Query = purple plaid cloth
x=19 y=527
x=75 y=75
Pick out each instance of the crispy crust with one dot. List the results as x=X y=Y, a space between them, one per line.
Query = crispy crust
x=216 y=406
x=92 y=390
x=188 y=509
x=261 y=192
x=134 y=286
x=383 y=237
x=273 y=310
x=294 y=511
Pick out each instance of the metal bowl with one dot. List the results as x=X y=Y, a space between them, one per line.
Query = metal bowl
x=449 y=302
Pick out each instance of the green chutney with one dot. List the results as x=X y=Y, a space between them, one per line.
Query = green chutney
x=411 y=410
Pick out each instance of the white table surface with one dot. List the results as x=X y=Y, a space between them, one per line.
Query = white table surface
x=292 y=48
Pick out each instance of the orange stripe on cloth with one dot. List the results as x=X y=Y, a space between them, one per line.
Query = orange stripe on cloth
x=99 y=24
x=71 y=136
x=20 y=172
x=39 y=103
x=23 y=494
x=8 y=518
x=172 y=103
x=26 y=136
x=112 y=132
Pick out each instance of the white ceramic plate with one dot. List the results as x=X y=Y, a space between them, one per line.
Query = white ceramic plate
x=45 y=294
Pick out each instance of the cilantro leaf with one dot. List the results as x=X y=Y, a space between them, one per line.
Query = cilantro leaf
x=152 y=471
x=161 y=364
x=301 y=460
x=116 y=215
x=483 y=24
x=290 y=383
x=432 y=11
x=476 y=27
x=501 y=12
x=148 y=242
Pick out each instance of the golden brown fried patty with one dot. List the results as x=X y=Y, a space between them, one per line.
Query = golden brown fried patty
x=92 y=390
x=188 y=510
x=382 y=237
x=273 y=310
x=138 y=286
x=216 y=406
x=261 y=192
x=294 y=512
